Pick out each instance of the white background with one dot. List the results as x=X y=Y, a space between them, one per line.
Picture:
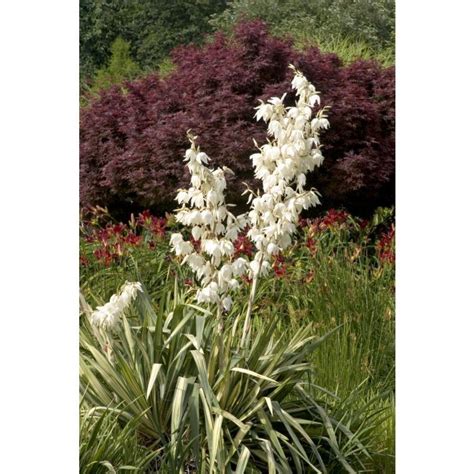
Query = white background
x=39 y=236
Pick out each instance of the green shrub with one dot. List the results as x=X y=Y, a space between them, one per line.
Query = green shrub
x=108 y=446
x=348 y=50
x=152 y=27
x=368 y=24
x=166 y=67
x=120 y=68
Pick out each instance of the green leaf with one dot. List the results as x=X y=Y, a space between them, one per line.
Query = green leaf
x=243 y=460
x=253 y=374
x=154 y=373
x=109 y=466
x=216 y=435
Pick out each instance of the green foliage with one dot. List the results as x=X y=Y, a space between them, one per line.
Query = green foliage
x=100 y=24
x=108 y=446
x=120 y=68
x=384 y=436
x=334 y=25
x=333 y=279
x=166 y=67
x=339 y=294
x=152 y=27
x=255 y=414
x=348 y=50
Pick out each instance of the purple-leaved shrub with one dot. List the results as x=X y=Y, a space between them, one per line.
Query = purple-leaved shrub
x=133 y=142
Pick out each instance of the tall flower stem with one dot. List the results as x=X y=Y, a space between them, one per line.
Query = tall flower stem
x=220 y=338
x=246 y=329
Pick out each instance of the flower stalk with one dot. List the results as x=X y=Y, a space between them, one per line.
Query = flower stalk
x=214 y=230
x=246 y=328
x=293 y=150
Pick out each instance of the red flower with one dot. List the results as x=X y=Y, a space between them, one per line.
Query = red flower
x=334 y=218
x=144 y=217
x=279 y=266
x=118 y=228
x=243 y=245
x=385 y=246
x=104 y=255
x=364 y=223
x=158 y=226
x=196 y=243
x=311 y=244
x=98 y=253
x=303 y=223
x=132 y=239
x=388 y=256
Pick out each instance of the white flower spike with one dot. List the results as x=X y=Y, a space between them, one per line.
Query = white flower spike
x=282 y=165
x=108 y=315
x=213 y=226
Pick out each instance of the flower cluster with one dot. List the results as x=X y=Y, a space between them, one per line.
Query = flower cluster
x=108 y=315
x=214 y=230
x=282 y=165
x=385 y=246
x=111 y=241
x=332 y=218
x=155 y=225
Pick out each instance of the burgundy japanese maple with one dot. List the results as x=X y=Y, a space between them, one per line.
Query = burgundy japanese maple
x=133 y=141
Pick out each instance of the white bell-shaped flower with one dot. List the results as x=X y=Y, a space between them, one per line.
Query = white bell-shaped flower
x=213 y=226
x=293 y=152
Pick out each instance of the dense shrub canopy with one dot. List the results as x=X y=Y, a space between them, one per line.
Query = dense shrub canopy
x=153 y=28
x=369 y=21
x=132 y=143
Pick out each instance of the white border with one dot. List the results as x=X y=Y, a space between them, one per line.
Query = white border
x=434 y=237
x=39 y=236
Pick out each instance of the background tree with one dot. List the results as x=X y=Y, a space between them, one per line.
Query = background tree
x=121 y=66
x=152 y=27
x=370 y=21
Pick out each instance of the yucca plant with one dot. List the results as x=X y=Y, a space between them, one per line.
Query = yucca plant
x=257 y=415
x=108 y=446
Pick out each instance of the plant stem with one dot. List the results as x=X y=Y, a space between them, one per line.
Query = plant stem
x=220 y=336
x=253 y=291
